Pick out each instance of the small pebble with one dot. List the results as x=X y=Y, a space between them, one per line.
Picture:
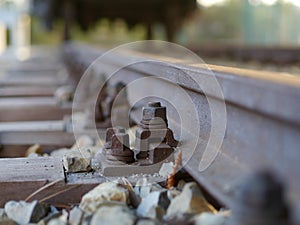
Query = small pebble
x=190 y=201
x=113 y=215
x=208 y=218
x=105 y=192
x=24 y=213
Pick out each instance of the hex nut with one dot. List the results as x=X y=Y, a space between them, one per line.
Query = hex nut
x=110 y=132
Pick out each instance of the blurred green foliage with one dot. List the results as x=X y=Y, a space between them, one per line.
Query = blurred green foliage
x=106 y=33
x=236 y=22
x=219 y=23
x=240 y=22
x=40 y=35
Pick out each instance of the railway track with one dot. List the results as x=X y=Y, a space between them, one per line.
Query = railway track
x=262 y=113
x=261 y=116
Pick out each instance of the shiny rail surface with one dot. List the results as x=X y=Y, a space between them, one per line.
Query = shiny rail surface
x=262 y=115
x=275 y=55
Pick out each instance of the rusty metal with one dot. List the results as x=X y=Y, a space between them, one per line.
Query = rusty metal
x=152 y=147
x=120 y=150
x=154 y=115
x=154 y=140
x=153 y=131
x=104 y=103
x=113 y=91
x=275 y=55
x=263 y=120
x=110 y=132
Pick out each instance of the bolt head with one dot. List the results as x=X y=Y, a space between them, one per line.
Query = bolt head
x=111 y=131
x=120 y=148
x=119 y=142
x=154 y=104
x=159 y=153
x=154 y=110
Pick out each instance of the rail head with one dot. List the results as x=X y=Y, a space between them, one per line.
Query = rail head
x=269 y=93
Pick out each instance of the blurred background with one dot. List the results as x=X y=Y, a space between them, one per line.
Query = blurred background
x=192 y=23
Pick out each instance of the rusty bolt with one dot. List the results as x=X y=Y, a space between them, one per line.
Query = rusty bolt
x=120 y=148
x=110 y=132
x=153 y=129
x=154 y=111
x=119 y=143
x=160 y=153
x=154 y=104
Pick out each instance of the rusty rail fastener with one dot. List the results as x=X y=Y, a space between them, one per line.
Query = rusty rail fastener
x=119 y=150
x=109 y=134
x=154 y=140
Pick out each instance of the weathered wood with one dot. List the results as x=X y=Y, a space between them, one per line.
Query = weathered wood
x=56 y=138
x=31 y=109
x=27 y=169
x=16 y=137
x=19 y=150
x=21 y=177
x=31 y=80
x=29 y=91
x=26 y=126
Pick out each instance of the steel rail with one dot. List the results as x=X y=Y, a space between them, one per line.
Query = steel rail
x=263 y=119
x=275 y=55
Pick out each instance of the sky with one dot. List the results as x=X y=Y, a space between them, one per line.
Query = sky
x=208 y=3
